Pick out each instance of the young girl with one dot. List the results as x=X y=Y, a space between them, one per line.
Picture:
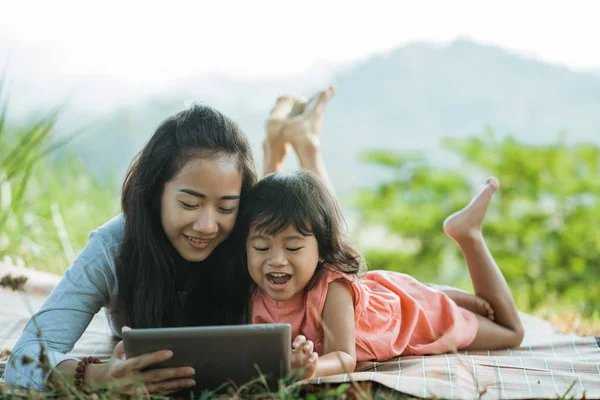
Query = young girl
x=306 y=274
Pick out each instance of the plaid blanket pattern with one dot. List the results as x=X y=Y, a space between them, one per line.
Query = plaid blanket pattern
x=534 y=371
x=546 y=366
x=96 y=341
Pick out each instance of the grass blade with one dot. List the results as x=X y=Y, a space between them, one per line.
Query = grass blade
x=38 y=131
x=29 y=148
x=22 y=185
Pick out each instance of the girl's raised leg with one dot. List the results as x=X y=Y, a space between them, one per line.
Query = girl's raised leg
x=464 y=227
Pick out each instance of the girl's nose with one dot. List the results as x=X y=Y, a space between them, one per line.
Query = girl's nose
x=278 y=259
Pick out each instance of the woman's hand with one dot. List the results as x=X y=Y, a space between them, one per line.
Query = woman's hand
x=125 y=376
x=304 y=357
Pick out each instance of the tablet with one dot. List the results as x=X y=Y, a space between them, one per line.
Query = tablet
x=219 y=354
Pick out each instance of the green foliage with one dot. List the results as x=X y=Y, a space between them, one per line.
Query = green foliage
x=542 y=227
x=47 y=207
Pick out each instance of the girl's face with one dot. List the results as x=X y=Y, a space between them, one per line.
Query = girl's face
x=200 y=204
x=282 y=264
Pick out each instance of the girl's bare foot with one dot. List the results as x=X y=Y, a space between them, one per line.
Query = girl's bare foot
x=465 y=225
x=275 y=145
x=285 y=108
x=299 y=106
x=304 y=130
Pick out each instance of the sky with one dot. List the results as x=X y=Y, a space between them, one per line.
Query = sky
x=153 y=43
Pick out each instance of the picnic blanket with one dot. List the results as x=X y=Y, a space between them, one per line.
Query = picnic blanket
x=547 y=365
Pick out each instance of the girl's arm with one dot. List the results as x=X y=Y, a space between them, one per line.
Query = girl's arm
x=340 y=333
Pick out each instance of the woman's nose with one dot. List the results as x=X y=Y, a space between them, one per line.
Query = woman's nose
x=206 y=223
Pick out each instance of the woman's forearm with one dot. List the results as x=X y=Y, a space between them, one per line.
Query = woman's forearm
x=63 y=317
x=64 y=370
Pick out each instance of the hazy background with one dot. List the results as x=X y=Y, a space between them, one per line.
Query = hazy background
x=407 y=74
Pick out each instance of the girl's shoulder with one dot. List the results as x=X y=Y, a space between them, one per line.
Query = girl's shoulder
x=351 y=281
x=333 y=274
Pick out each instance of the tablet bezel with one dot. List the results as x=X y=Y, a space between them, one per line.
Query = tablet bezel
x=213 y=351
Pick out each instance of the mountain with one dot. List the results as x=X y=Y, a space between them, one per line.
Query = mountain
x=415 y=95
x=407 y=98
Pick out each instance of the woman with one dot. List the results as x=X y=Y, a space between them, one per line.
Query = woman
x=170 y=251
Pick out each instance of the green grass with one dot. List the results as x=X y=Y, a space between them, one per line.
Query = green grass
x=49 y=201
x=50 y=226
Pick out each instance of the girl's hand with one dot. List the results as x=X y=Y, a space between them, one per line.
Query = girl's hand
x=125 y=376
x=304 y=357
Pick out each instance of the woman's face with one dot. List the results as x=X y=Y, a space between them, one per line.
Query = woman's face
x=200 y=204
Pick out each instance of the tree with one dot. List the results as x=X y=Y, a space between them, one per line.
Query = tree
x=543 y=226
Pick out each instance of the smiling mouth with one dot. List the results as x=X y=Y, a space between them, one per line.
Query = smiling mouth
x=197 y=243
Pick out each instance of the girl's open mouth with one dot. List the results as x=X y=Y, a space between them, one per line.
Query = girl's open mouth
x=278 y=280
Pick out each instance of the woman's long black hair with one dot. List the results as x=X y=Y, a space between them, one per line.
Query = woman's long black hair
x=147 y=263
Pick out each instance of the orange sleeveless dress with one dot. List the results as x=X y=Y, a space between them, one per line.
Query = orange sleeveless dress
x=395 y=315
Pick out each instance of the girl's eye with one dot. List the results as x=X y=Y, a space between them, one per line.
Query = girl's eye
x=294 y=249
x=188 y=206
x=227 y=210
x=260 y=248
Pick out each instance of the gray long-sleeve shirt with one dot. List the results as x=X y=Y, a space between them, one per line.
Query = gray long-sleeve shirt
x=88 y=285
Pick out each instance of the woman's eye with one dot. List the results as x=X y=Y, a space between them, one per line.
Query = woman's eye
x=227 y=210
x=260 y=248
x=188 y=206
x=294 y=248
